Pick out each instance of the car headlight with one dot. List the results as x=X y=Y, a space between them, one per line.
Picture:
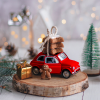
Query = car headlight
x=73 y=68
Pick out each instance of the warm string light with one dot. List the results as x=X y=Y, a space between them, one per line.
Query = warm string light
x=24 y=28
x=97 y=17
x=26 y=42
x=40 y=1
x=94 y=9
x=63 y=21
x=39 y=6
x=23 y=39
x=16 y=36
x=82 y=36
x=15 y=19
x=93 y=15
x=39 y=40
x=12 y=32
x=96 y=29
x=42 y=36
x=73 y=2
x=6 y=43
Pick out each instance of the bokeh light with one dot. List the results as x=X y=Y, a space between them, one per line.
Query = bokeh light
x=16 y=36
x=6 y=43
x=73 y=3
x=39 y=40
x=39 y=6
x=63 y=21
x=23 y=39
x=42 y=36
x=24 y=27
x=40 y=1
x=15 y=19
x=26 y=42
x=93 y=15
x=12 y=32
x=94 y=9
x=82 y=35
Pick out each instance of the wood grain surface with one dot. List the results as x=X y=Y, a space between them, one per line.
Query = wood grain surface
x=55 y=87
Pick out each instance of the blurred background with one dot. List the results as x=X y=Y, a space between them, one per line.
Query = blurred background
x=24 y=22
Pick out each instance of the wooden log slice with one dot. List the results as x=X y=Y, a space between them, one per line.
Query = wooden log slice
x=55 y=87
x=92 y=72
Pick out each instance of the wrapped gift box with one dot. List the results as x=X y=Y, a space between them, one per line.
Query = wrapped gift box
x=24 y=70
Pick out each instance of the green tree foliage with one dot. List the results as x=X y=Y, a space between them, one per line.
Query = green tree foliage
x=91 y=51
x=7 y=70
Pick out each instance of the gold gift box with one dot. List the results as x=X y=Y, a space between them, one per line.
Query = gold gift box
x=24 y=70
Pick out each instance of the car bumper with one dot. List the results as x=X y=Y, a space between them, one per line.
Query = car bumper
x=76 y=70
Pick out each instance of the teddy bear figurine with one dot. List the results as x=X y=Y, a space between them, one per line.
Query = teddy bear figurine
x=45 y=72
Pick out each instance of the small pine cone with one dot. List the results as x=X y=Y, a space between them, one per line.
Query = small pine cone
x=32 y=52
x=11 y=49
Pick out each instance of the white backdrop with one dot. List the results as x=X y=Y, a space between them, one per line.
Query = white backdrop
x=72 y=17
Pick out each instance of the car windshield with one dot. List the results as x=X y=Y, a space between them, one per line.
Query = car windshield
x=62 y=56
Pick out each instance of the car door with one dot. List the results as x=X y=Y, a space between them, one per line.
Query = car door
x=54 y=64
x=40 y=61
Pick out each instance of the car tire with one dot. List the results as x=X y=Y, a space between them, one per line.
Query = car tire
x=35 y=70
x=66 y=74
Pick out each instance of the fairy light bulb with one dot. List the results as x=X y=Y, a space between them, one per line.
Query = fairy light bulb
x=73 y=3
x=23 y=39
x=16 y=36
x=42 y=36
x=39 y=6
x=40 y=1
x=94 y=8
x=39 y=40
x=12 y=32
x=93 y=15
x=24 y=27
x=63 y=21
x=82 y=35
x=6 y=43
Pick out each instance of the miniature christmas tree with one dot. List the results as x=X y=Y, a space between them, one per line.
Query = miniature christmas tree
x=91 y=52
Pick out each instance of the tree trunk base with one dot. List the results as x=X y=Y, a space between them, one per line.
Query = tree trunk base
x=55 y=87
x=92 y=72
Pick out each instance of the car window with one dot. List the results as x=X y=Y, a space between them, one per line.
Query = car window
x=62 y=56
x=40 y=58
x=51 y=60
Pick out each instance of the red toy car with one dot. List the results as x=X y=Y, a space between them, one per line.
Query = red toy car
x=59 y=63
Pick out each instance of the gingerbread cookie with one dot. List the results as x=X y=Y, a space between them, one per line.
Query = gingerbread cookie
x=55 y=40
x=45 y=72
x=52 y=51
x=54 y=45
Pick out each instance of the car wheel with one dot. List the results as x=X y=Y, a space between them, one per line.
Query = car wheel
x=66 y=74
x=35 y=70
